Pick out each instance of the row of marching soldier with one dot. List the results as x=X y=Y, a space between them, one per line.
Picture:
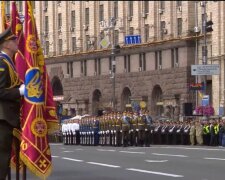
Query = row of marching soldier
x=138 y=129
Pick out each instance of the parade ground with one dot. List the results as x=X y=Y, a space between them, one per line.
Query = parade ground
x=158 y=162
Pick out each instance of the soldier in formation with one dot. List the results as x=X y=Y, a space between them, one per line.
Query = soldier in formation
x=138 y=129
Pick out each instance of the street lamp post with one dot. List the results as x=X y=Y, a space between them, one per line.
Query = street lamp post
x=204 y=53
x=111 y=27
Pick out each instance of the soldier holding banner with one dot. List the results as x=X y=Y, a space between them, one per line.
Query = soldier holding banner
x=11 y=91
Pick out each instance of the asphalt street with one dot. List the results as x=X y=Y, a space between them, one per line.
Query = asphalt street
x=136 y=163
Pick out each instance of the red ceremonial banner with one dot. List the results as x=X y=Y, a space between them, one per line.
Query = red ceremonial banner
x=38 y=114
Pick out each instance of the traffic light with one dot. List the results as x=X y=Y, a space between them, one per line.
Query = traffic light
x=208 y=27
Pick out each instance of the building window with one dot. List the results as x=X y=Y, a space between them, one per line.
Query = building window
x=7 y=7
x=86 y=16
x=116 y=37
x=98 y=66
x=46 y=47
x=131 y=30
x=59 y=21
x=33 y=4
x=70 y=68
x=127 y=63
x=101 y=12
x=179 y=3
x=146 y=32
x=88 y=45
x=177 y=55
x=20 y=6
x=162 y=4
x=60 y=46
x=142 y=61
x=179 y=26
x=162 y=28
x=130 y=8
x=46 y=24
x=172 y=58
x=146 y=7
x=115 y=9
x=158 y=60
x=74 y=44
x=83 y=66
x=46 y=4
x=73 y=18
x=203 y=17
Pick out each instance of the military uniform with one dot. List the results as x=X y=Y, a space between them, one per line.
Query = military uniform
x=125 y=129
x=157 y=133
x=96 y=132
x=147 y=133
x=135 y=126
x=9 y=102
x=185 y=140
x=132 y=131
x=141 y=129
x=118 y=130
x=164 y=133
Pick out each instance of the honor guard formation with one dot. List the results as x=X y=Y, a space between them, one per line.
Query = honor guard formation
x=139 y=129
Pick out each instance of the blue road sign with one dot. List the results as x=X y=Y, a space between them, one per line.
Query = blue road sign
x=205 y=100
x=133 y=39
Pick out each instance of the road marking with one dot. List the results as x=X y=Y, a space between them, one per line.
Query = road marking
x=132 y=152
x=101 y=164
x=190 y=148
x=77 y=160
x=154 y=172
x=111 y=150
x=156 y=160
x=79 y=149
x=136 y=148
x=55 y=144
x=63 y=148
x=157 y=154
x=215 y=159
x=68 y=151
x=55 y=156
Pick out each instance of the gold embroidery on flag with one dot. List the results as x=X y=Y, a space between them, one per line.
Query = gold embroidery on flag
x=39 y=127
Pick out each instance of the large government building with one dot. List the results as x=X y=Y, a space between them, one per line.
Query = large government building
x=107 y=54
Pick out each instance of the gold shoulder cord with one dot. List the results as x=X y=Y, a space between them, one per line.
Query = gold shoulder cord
x=13 y=76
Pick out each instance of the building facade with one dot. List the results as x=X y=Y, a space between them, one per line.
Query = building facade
x=79 y=40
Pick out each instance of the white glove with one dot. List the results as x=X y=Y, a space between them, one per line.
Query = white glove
x=22 y=89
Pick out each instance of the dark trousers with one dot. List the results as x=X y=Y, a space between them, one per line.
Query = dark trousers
x=141 y=137
x=147 y=138
x=125 y=138
x=77 y=134
x=6 y=138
